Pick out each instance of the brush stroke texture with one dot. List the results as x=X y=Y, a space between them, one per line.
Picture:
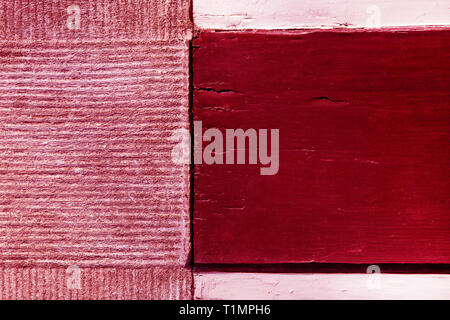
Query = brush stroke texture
x=364 y=125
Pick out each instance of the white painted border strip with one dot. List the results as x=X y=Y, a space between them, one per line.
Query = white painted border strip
x=270 y=286
x=295 y=14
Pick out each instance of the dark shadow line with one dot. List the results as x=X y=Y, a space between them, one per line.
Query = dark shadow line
x=398 y=268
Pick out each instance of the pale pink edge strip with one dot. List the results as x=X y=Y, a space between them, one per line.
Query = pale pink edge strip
x=274 y=286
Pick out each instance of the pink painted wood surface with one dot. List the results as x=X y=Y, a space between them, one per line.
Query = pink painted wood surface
x=99 y=19
x=275 y=286
x=86 y=119
x=87 y=175
x=294 y=14
x=43 y=283
x=364 y=148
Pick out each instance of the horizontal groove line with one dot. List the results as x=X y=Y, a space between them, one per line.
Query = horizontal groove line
x=150 y=172
x=157 y=122
x=93 y=90
x=57 y=45
x=130 y=72
x=50 y=246
x=23 y=108
x=86 y=221
x=85 y=249
x=151 y=101
x=79 y=185
x=87 y=96
x=86 y=128
x=21 y=50
x=159 y=128
x=157 y=227
x=74 y=212
x=131 y=213
x=91 y=183
x=81 y=156
x=140 y=213
x=88 y=41
x=129 y=173
x=113 y=121
x=31 y=202
x=119 y=80
x=158 y=259
x=174 y=243
x=107 y=232
x=99 y=166
x=94 y=233
x=86 y=137
x=173 y=200
x=101 y=56
x=52 y=230
x=138 y=89
x=75 y=197
x=105 y=195
x=20 y=170
x=84 y=256
x=86 y=59
x=115 y=118
x=126 y=213
x=92 y=110
x=96 y=72
x=168 y=211
x=113 y=102
x=159 y=142
x=170 y=220
x=25 y=167
x=91 y=65
x=99 y=74
x=79 y=136
x=130 y=50
x=171 y=207
x=84 y=84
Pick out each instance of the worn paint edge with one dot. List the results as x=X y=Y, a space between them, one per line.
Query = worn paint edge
x=263 y=14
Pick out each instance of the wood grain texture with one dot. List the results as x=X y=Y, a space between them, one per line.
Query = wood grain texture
x=41 y=283
x=99 y=19
x=364 y=124
x=294 y=14
x=267 y=286
x=86 y=174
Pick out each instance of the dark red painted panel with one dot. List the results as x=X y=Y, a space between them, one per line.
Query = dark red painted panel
x=364 y=121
